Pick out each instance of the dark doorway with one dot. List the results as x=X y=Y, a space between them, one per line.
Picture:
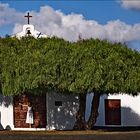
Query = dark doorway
x=38 y=104
x=112 y=112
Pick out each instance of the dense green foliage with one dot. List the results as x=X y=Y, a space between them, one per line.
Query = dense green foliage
x=32 y=64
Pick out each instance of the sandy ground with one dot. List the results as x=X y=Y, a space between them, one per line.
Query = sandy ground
x=69 y=135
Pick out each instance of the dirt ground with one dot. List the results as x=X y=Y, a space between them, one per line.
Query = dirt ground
x=69 y=135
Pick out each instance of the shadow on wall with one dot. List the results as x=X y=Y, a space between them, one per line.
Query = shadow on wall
x=62 y=117
x=6 y=100
x=1 y=127
x=89 y=98
x=129 y=117
x=101 y=117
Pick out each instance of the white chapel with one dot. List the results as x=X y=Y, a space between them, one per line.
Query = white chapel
x=29 y=30
x=54 y=110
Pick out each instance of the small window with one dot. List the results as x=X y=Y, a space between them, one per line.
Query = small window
x=58 y=103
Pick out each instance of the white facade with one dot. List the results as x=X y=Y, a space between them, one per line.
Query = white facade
x=6 y=112
x=60 y=112
x=29 y=30
x=130 y=111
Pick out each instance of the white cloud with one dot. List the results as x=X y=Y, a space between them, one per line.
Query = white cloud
x=131 y=4
x=56 y=23
x=9 y=15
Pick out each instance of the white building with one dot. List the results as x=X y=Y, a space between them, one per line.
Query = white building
x=57 y=111
x=120 y=110
x=29 y=30
x=50 y=111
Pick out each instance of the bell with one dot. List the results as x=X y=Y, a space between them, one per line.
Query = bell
x=28 y=32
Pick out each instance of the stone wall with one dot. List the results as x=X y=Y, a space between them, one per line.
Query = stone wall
x=38 y=104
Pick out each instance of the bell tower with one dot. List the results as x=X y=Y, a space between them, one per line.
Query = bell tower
x=29 y=30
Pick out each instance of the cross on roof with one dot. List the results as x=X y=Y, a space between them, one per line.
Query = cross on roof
x=28 y=16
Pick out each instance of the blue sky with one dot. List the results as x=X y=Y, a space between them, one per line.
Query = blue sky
x=107 y=14
x=100 y=10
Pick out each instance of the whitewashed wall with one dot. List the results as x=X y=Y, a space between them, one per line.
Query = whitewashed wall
x=130 y=110
x=58 y=117
x=34 y=33
x=6 y=112
x=61 y=117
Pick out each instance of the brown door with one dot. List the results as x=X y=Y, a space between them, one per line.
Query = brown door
x=38 y=104
x=112 y=112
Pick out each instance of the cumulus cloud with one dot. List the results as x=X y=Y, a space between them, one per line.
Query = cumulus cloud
x=131 y=4
x=56 y=23
x=9 y=15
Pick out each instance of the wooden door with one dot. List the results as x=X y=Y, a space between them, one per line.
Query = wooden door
x=112 y=112
x=38 y=104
